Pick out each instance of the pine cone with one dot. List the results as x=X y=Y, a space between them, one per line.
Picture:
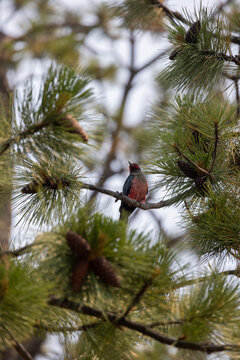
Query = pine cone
x=31 y=188
x=193 y=32
x=200 y=140
x=187 y=169
x=200 y=182
x=104 y=269
x=78 y=244
x=45 y=180
x=72 y=126
x=235 y=159
x=79 y=274
x=174 y=54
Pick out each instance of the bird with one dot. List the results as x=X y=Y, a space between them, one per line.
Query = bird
x=135 y=187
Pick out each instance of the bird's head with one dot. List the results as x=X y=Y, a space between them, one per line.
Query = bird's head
x=133 y=167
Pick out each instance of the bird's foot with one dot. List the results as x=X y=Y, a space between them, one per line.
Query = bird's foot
x=119 y=194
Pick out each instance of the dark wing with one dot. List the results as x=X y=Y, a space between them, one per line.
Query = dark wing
x=127 y=185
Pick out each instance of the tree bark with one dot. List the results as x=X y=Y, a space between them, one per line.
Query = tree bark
x=5 y=200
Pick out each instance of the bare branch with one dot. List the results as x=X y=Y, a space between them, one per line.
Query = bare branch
x=119 y=196
x=152 y=61
x=22 y=351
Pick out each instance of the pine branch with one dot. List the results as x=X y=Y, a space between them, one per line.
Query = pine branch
x=176 y=15
x=143 y=329
x=22 y=135
x=221 y=56
x=22 y=351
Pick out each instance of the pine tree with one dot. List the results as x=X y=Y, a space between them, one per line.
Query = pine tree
x=125 y=293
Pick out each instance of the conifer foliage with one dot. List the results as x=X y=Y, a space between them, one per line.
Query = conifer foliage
x=125 y=293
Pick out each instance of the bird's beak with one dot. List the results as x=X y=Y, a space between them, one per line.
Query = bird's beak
x=130 y=163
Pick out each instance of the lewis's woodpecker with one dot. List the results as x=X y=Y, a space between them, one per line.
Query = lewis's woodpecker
x=135 y=187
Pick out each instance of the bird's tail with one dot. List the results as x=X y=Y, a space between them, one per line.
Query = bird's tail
x=124 y=214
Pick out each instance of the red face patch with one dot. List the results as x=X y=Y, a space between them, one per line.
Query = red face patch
x=133 y=166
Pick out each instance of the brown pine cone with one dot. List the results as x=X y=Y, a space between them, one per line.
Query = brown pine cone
x=200 y=140
x=79 y=274
x=200 y=182
x=72 y=126
x=31 y=188
x=193 y=32
x=44 y=181
x=78 y=244
x=187 y=169
x=174 y=54
x=104 y=269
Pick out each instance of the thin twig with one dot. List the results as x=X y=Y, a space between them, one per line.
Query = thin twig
x=234 y=272
x=67 y=328
x=137 y=297
x=169 y=13
x=215 y=146
x=17 y=252
x=22 y=135
x=221 y=56
x=166 y=323
x=231 y=77
x=141 y=328
x=237 y=97
x=22 y=351
x=234 y=255
x=151 y=61
x=201 y=170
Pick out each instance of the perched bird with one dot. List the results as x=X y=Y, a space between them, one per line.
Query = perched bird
x=135 y=187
